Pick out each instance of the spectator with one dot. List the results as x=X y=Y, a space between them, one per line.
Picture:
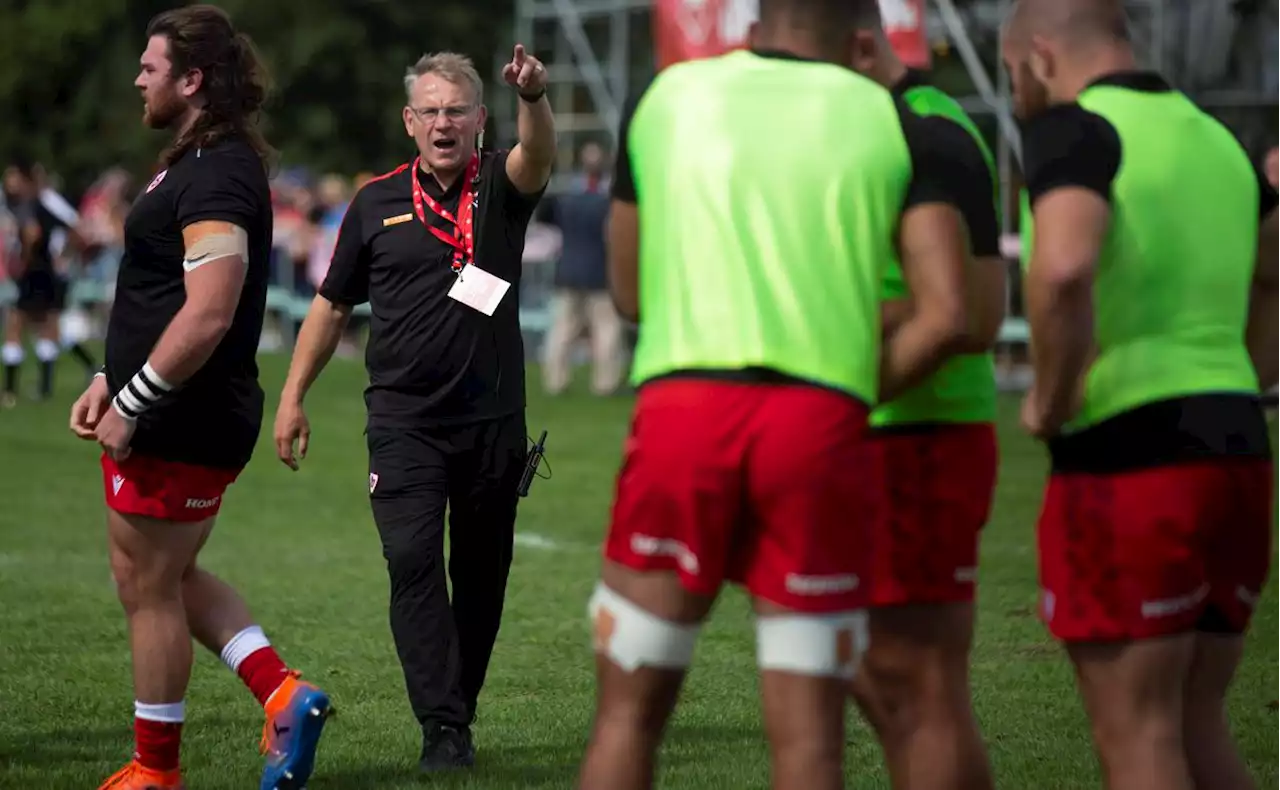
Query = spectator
x=581 y=301
x=1272 y=169
x=102 y=213
x=333 y=195
x=8 y=239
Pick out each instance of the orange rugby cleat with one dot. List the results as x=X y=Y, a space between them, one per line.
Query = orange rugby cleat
x=135 y=776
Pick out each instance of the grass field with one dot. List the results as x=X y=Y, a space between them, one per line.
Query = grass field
x=302 y=547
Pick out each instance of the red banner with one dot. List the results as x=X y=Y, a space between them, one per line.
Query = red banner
x=689 y=29
x=904 y=25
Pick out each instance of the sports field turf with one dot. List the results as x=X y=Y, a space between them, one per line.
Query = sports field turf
x=304 y=550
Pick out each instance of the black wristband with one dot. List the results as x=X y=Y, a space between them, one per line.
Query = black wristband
x=534 y=99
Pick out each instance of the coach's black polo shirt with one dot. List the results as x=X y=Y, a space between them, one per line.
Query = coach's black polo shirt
x=432 y=360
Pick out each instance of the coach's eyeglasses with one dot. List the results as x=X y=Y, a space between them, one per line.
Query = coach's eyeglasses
x=430 y=115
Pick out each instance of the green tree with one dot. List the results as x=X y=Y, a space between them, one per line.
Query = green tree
x=67 y=70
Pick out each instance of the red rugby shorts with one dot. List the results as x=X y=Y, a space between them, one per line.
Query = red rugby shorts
x=771 y=486
x=1154 y=552
x=166 y=490
x=939 y=483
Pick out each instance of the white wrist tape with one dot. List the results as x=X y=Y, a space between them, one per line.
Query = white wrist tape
x=142 y=392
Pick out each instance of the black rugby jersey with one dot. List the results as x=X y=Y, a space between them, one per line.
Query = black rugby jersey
x=214 y=418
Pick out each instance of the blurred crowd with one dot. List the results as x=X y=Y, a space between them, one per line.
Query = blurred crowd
x=564 y=291
x=572 y=319
x=308 y=212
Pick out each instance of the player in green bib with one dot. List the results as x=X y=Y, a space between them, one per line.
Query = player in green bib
x=937 y=448
x=757 y=199
x=1151 y=297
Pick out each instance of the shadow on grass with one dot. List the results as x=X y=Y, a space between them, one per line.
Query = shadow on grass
x=525 y=766
x=57 y=747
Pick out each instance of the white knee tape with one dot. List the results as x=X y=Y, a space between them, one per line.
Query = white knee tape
x=820 y=645
x=632 y=638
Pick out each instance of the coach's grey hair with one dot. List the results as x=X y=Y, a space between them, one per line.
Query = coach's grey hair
x=451 y=66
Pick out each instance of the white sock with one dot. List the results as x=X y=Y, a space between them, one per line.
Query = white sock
x=47 y=350
x=168 y=712
x=243 y=645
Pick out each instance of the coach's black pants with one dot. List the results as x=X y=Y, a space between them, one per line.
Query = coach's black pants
x=445 y=648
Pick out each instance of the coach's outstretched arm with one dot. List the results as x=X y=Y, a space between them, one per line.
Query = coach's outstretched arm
x=1261 y=335
x=529 y=163
x=216 y=259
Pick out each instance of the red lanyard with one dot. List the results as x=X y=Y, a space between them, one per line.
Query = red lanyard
x=462 y=239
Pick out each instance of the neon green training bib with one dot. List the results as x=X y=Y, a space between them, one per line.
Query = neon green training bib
x=765 y=224
x=1171 y=289
x=964 y=388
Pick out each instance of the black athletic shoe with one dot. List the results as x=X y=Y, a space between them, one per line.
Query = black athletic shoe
x=446 y=749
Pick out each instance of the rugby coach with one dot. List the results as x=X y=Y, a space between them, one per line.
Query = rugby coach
x=435 y=248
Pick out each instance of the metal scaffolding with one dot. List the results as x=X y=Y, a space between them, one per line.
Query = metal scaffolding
x=1225 y=62
x=597 y=51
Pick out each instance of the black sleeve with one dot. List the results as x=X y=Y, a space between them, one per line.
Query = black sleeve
x=1068 y=146
x=347 y=281
x=624 y=184
x=1267 y=198
x=221 y=188
x=947 y=166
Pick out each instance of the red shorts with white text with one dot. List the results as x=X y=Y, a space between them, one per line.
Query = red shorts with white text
x=1156 y=551
x=773 y=486
x=165 y=490
x=939 y=483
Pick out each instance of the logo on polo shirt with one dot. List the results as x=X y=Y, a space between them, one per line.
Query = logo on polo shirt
x=155 y=182
x=202 y=504
x=117 y=482
x=396 y=220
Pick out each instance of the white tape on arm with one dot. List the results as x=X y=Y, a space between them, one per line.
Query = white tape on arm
x=141 y=392
x=216 y=246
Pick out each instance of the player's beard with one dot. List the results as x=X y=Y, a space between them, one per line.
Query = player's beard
x=164 y=107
